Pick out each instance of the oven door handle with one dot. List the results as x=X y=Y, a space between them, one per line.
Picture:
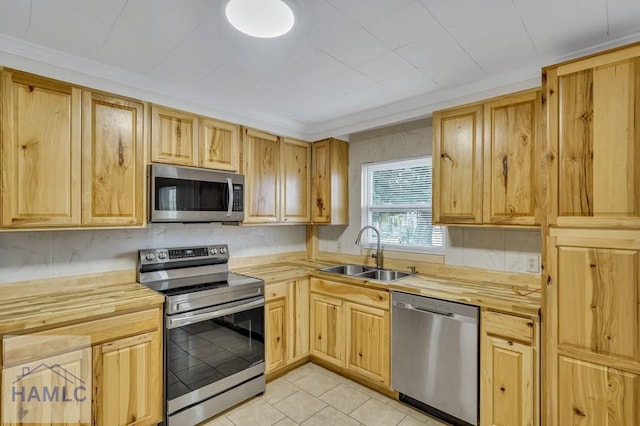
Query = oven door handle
x=190 y=319
x=230 y=186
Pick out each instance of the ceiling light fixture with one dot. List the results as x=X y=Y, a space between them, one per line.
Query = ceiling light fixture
x=260 y=18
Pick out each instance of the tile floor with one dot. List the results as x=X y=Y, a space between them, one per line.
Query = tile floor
x=313 y=396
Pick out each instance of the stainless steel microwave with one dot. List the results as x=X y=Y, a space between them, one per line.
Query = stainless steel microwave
x=189 y=194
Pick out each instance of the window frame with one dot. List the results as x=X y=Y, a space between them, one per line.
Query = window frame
x=368 y=239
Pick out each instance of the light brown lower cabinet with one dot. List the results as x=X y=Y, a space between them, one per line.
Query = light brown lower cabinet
x=121 y=355
x=509 y=370
x=128 y=380
x=286 y=324
x=350 y=329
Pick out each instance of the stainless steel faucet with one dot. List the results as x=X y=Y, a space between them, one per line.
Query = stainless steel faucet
x=378 y=254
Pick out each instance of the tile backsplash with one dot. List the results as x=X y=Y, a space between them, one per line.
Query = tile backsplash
x=45 y=254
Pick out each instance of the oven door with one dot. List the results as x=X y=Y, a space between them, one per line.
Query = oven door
x=186 y=194
x=212 y=350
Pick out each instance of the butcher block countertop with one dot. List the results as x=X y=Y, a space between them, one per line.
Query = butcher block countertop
x=59 y=301
x=484 y=293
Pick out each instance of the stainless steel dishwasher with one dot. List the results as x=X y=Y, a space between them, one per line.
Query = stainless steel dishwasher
x=434 y=356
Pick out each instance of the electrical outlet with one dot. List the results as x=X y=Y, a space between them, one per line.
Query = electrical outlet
x=533 y=264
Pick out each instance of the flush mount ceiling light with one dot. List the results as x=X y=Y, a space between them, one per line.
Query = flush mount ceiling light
x=260 y=18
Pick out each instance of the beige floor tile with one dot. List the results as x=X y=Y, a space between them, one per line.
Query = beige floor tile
x=286 y=422
x=300 y=406
x=300 y=372
x=316 y=383
x=256 y=413
x=376 y=413
x=220 y=421
x=406 y=409
x=370 y=392
x=278 y=390
x=344 y=398
x=411 y=421
x=436 y=422
x=330 y=416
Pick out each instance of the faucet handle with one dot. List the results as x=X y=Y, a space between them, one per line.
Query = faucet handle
x=412 y=270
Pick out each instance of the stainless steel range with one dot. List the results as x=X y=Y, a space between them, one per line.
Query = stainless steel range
x=214 y=330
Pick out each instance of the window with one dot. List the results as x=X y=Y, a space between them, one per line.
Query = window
x=396 y=200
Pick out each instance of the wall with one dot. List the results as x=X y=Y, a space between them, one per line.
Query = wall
x=497 y=249
x=45 y=254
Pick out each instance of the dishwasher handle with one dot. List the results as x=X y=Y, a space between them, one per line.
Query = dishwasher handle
x=411 y=307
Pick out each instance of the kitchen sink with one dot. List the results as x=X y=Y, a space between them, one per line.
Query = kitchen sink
x=347 y=269
x=383 y=274
x=366 y=272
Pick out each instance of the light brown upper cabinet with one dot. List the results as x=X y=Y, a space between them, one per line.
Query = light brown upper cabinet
x=330 y=184
x=112 y=160
x=296 y=181
x=72 y=157
x=261 y=166
x=593 y=152
x=187 y=139
x=41 y=152
x=485 y=162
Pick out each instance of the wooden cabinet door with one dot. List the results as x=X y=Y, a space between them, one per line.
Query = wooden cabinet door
x=41 y=146
x=510 y=166
x=112 y=160
x=173 y=137
x=367 y=342
x=296 y=181
x=48 y=389
x=593 y=128
x=219 y=145
x=330 y=182
x=599 y=301
x=128 y=381
x=261 y=152
x=298 y=319
x=507 y=383
x=457 y=165
x=275 y=334
x=596 y=395
x=327 y=329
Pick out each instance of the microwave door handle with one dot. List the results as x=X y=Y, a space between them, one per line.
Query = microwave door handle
x=230 y=208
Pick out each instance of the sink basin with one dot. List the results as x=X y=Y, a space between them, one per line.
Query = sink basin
x=347 y=269
x=383 y=275
x=360 y=271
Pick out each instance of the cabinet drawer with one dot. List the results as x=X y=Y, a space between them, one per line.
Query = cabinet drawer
x=19 y=349
x=352 y=293
x=275 y=291
x=508 y=326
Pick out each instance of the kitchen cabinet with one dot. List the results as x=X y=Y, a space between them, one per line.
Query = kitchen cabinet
x=187 y=139
x=295 y=181
x=593 y=149
x=112 y=160
x=72 y=157
x=261 y=166
x=122 y=355
x=127 y=380
x=173 y=137
x=350 y=329
x=330 y=182
x=286 y=323
x=594 y=329
x=275 y=327
x=508 y=370
x=41 y=152
x=485 y=162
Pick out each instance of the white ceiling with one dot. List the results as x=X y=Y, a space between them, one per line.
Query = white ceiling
x=347 y=65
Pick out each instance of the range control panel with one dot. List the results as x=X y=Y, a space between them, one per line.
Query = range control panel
x=168 y=255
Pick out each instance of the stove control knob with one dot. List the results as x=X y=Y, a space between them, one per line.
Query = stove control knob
x=213 y=251
x=150 y=256
x=223 y=250
x=162 y=255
